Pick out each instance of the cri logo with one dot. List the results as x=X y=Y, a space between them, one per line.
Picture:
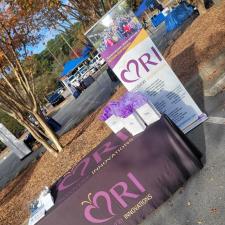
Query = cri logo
x=118 y=192
x=133 y=66
x=85 y=165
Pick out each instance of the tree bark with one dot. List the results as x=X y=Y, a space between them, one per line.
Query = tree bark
x=201 y=7
x=17 y=96
x=38 y=138
x=49 y=133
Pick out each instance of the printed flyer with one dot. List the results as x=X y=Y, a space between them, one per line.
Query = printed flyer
x=134 y=58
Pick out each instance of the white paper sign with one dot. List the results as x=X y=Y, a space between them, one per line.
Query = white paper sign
x=115 y=123
x=47 y=201
x=37 y=215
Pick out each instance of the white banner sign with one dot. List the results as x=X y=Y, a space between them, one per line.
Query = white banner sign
x=137 y=62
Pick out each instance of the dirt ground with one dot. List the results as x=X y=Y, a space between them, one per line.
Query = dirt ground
x=199 y=44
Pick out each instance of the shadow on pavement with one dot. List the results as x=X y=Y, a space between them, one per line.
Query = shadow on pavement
x=185 y=67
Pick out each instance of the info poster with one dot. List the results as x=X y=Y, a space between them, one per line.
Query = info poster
x=130 y=52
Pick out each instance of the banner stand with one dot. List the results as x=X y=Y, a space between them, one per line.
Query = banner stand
x=137 y=62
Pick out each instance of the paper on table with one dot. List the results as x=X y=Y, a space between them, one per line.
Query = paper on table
x=47 y=201
x=37 y=215
x=134 y=124
x=148 y=114
x=115 y=123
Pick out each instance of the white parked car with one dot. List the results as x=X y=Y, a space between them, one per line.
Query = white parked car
x=97 y=61
x=93 y=69
x=101 y=61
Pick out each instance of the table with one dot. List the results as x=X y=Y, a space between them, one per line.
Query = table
x=125 y=178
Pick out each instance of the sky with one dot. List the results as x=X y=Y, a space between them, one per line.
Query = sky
x=47 y=35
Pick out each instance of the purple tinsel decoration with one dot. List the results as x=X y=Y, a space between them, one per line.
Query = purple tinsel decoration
x=125 y=107
x=135 y=99
x=106 y=114
x=126 y=110
x=115 y=107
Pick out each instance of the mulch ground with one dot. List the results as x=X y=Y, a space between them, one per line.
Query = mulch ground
x=201 y=42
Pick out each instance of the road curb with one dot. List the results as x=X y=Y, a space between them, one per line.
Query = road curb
x=217 y=87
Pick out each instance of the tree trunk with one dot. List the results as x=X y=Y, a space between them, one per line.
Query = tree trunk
x=49 y=133
x=109 y=5
x=47 y=146
x=40 y=139
x=201 y=7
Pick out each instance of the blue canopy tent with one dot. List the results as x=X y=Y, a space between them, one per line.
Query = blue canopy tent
x=173 y=20
x=72 y=64
x=146 y=4
x=86 y=50
x=178 y=16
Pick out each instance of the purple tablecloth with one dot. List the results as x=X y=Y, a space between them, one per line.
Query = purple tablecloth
x=125 y=178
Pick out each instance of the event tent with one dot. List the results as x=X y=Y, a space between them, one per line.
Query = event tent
x=72 y=64
x=143 y=7
x=86 y=50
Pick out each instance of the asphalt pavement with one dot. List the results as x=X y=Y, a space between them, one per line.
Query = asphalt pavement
x=93 y=97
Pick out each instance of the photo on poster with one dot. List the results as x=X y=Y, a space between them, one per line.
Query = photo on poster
x=115 y=31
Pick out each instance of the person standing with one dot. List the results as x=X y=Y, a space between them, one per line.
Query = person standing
x=144 y=23
x=74 y=90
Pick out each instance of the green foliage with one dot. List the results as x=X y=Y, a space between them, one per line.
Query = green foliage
x=11 y=124
x=45 y=84
x=49 y=63
x=59 y=49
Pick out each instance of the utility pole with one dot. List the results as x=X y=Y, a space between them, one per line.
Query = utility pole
x=58 y=62
x=131 y=4
x=69 y=46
